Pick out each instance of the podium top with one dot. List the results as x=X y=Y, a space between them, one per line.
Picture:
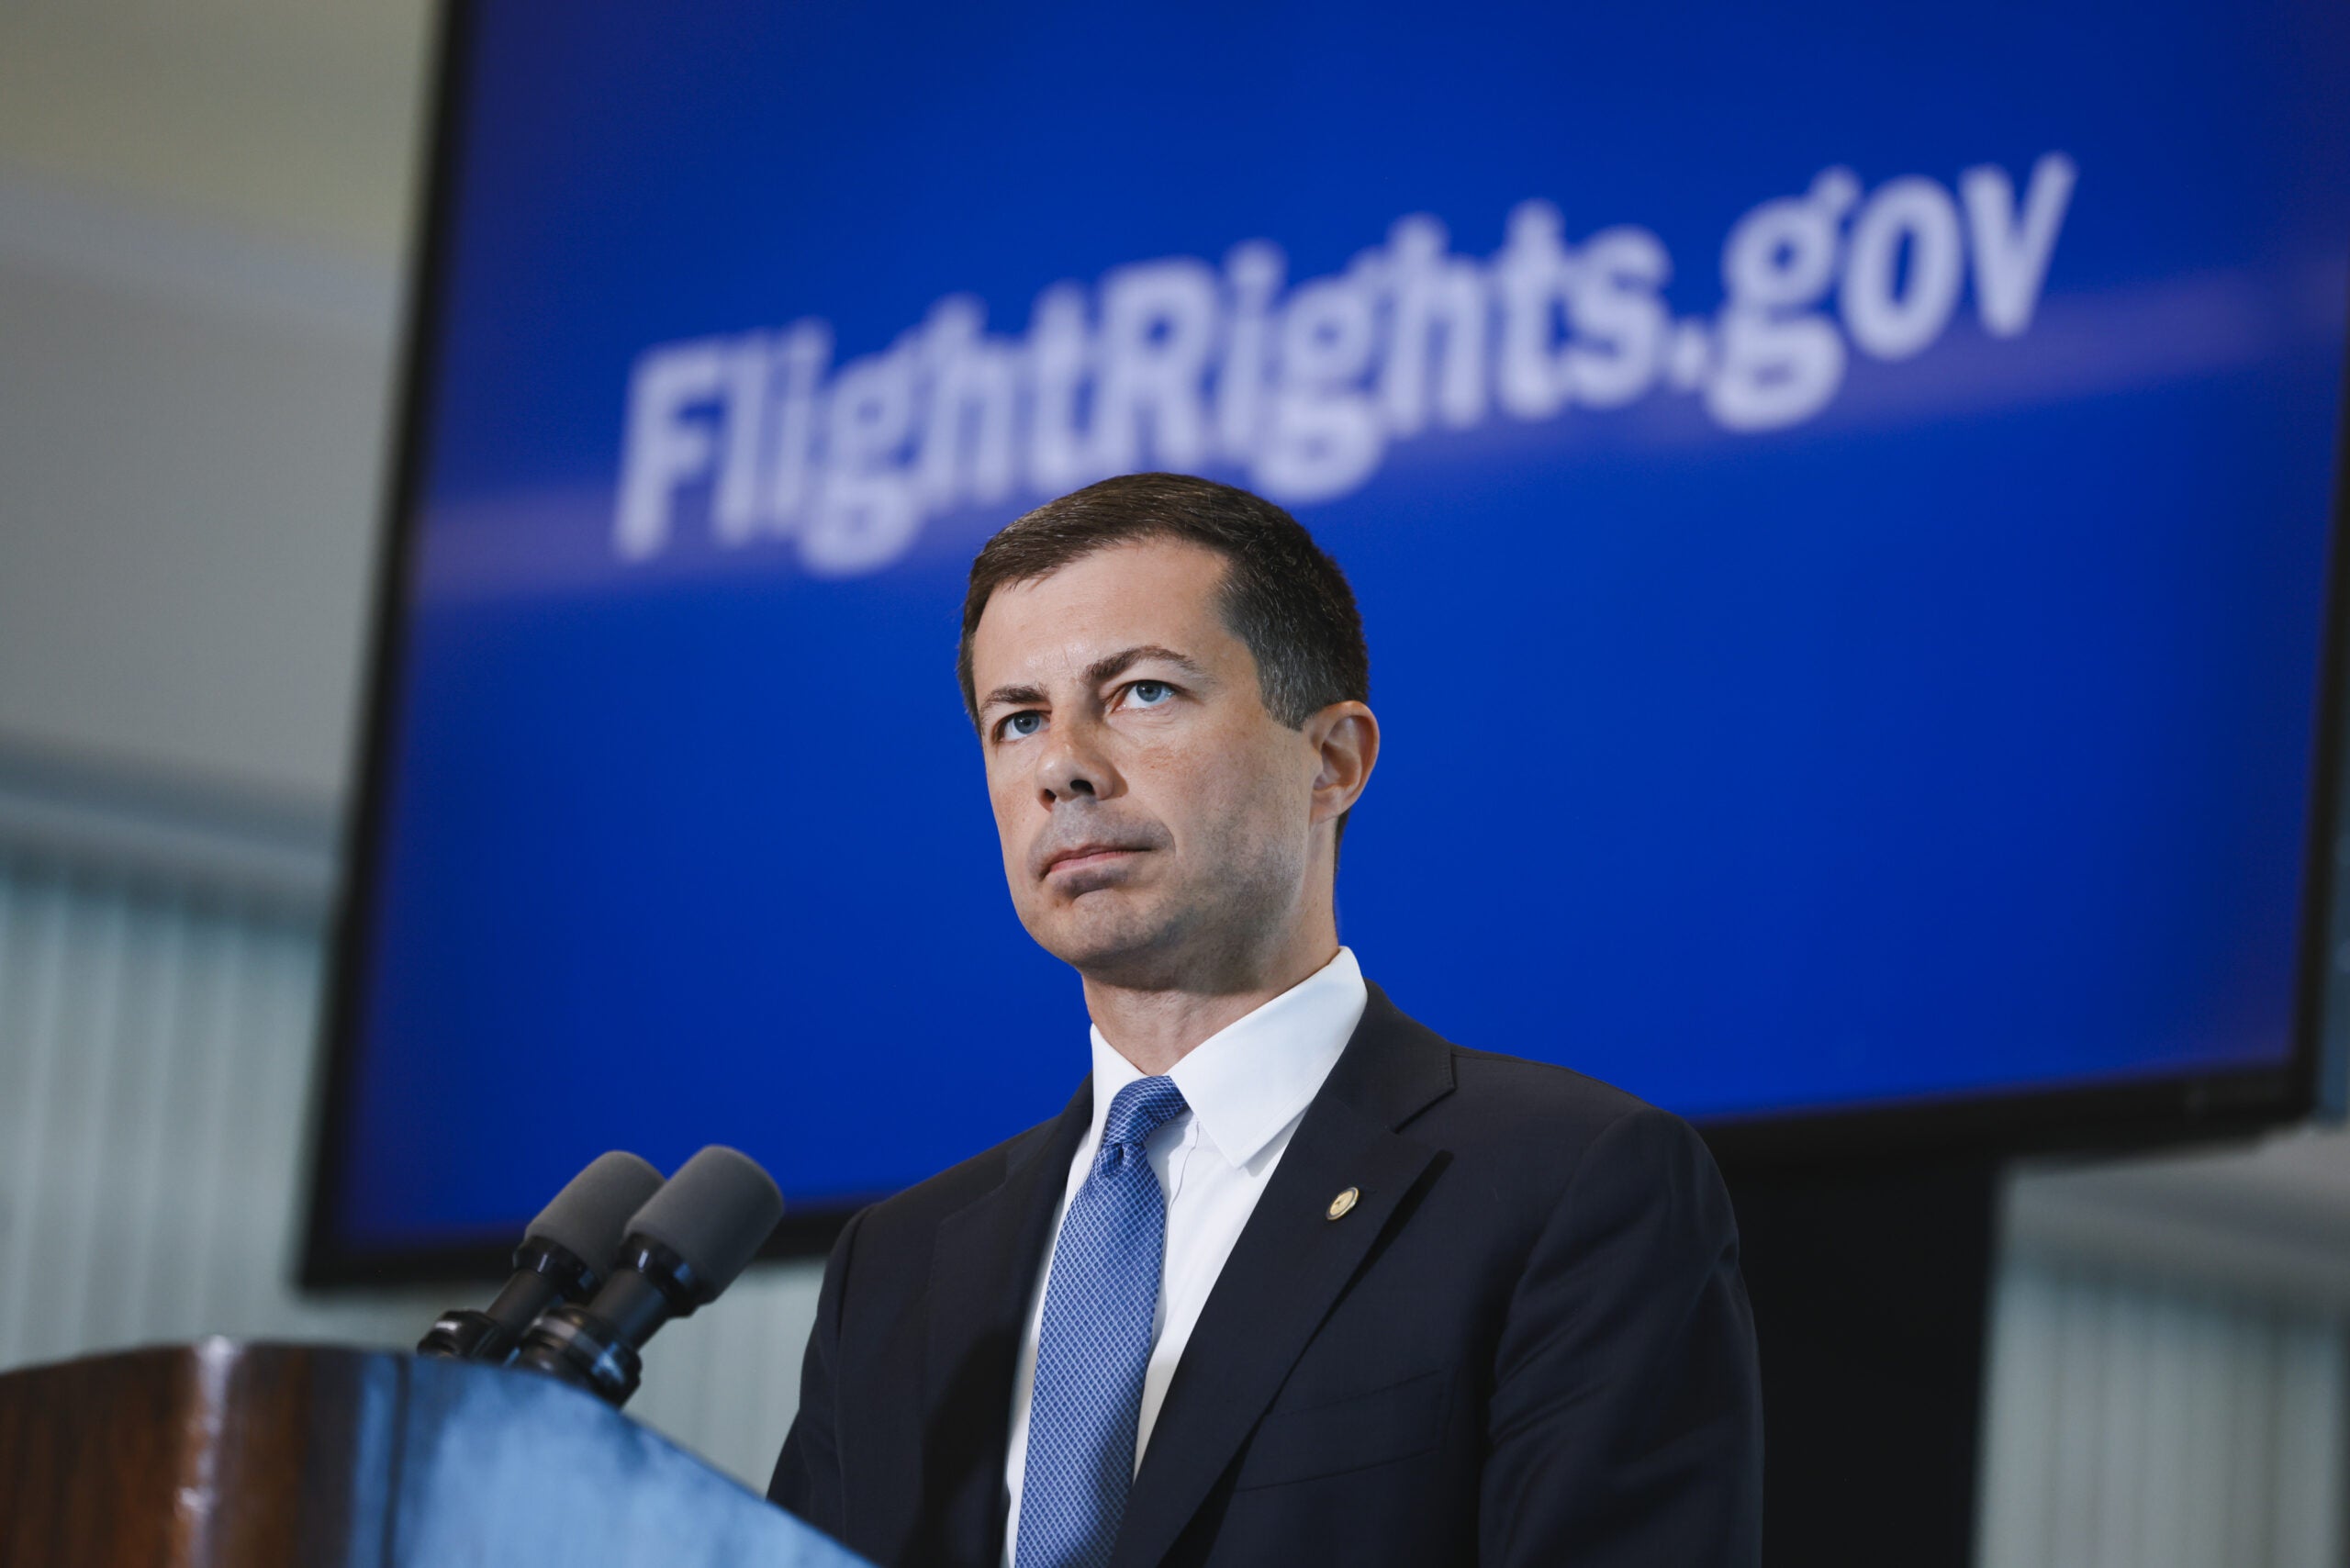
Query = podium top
x=224 y=1452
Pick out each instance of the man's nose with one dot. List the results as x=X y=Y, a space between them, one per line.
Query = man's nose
x=1074 y=766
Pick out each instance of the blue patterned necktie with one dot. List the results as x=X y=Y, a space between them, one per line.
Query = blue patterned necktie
x=1095 y=1343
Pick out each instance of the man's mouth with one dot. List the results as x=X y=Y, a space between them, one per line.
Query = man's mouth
x=1086 y=856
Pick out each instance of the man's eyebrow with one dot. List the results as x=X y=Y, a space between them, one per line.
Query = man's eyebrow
x=1117 y=663
x=1108 y=667
x=1013 y=695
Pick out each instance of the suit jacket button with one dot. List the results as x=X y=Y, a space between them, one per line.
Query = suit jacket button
x=1343 y=1201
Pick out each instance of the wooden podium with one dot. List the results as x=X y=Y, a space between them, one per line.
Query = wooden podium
x=222 y=1454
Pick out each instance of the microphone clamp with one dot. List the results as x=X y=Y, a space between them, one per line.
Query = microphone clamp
x=544 y=1272
x=597 y=1346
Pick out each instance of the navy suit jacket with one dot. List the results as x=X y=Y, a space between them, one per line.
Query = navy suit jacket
x=1527 y=1342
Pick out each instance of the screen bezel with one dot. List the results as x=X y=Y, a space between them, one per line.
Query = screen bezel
x=2133 y=1114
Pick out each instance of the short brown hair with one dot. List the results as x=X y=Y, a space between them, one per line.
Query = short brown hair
x=1282 y=596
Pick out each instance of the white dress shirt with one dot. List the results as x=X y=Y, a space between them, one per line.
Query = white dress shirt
x=1247 y=1086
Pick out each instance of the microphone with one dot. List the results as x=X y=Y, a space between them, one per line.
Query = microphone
x=564 y=1255
x=684 y=1246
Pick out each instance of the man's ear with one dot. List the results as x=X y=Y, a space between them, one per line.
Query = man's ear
x=1345 y=740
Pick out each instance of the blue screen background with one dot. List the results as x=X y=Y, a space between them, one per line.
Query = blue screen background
x=1953 y=740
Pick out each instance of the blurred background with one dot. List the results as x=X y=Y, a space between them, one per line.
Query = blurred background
x=205 y=209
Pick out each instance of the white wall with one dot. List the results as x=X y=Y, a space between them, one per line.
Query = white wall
x=2145 y=1423
x=188 y=445
x=202 y=213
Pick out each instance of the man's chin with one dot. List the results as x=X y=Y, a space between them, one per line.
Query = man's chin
x=1104 y=936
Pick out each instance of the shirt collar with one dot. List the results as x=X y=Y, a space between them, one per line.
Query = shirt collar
x=1251 y=1078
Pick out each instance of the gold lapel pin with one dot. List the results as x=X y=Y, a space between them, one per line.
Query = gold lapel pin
x=1343 y=1201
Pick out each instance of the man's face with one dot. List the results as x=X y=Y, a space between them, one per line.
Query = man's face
x=1156 y=820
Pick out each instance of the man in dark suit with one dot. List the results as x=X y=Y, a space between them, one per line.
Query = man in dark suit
x=1291 y=1279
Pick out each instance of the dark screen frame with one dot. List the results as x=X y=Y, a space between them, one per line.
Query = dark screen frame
x=2146 y=1113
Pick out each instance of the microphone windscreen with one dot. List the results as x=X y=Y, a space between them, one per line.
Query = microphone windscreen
x=713 y=1213
x=590 y=1215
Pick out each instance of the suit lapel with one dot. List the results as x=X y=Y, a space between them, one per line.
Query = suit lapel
x=983 y=1266
x=1289 y=1268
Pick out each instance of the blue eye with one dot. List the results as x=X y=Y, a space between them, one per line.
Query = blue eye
x=1023 y=724
x=1149 y=694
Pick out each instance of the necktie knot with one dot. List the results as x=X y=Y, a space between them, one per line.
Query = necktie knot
x=1140 y=1109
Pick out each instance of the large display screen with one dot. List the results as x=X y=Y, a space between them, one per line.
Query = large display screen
x=1840 y=497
